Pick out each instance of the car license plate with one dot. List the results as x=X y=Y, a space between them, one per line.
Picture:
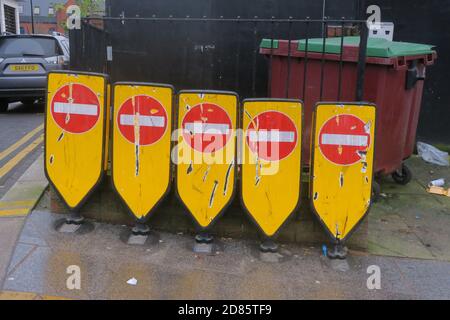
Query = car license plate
x=24 y=67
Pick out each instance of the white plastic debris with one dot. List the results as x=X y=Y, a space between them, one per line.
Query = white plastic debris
x=432 y=155
x=437 y=183
x=132 y=281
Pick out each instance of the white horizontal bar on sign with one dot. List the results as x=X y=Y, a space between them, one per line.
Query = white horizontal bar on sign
x=272 y=136
x=207 y=128
x=76 y=108
x=144 y=121
x=344 y=140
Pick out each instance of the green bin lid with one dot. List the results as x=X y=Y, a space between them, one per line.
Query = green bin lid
x=265 y=43
x=376 y=47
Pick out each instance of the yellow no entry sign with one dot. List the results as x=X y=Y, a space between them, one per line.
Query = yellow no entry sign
x=75 y=133
x=108 y=126
x=271 y=160
x=206 y=152
x=142 y=120
x=342 y=165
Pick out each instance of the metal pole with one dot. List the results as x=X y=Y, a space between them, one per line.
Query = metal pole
x=361 y=62
x=32 y=16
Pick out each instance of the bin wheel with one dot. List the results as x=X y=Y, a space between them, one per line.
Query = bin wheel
x=376 y=191
x=402 y=176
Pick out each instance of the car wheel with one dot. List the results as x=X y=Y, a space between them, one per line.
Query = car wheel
x=3 y=106
x=28 y=101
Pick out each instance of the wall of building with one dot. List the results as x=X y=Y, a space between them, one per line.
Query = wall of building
x=44 y=5
x=11 y=3
x=45 y=22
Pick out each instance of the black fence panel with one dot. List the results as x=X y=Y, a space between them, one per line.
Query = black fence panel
x=88 y=48
x=215 y=53
x=426 y=22
x=208 y=54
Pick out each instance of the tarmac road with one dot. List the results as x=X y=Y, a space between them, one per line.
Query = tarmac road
x=21 y=133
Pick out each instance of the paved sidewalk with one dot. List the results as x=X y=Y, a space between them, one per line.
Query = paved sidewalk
x=408 y=234
x=170 y=270
x=15 y=205
x=408 y=221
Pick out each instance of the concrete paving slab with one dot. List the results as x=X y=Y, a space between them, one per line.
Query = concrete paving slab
x=409 y=222
x=19 y=201
x=29 y=275
x=411 y=227
x=170 y=270
x=390 y=187
x=21 y=251
x=9 y=232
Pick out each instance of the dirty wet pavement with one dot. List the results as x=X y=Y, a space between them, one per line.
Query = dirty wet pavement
x=170 y=270
x=407 y=235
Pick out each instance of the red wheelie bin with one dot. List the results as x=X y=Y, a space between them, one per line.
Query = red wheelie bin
x=393 y=81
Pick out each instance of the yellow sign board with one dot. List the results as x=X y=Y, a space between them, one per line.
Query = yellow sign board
x=206 y=152
x=342 y=165
x=142 y=122
x=75 y=133
x=271 y=160
x=108 y=126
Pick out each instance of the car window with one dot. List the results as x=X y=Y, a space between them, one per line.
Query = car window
x=65 y=45
x=21 y=47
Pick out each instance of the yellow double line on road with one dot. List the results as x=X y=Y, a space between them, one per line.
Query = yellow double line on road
x=18 y=208
x=22 y=154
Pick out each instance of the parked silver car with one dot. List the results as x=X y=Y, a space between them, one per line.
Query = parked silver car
x=24 y=63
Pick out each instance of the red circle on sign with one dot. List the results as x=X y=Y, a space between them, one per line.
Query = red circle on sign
x=207 y=127
x=75 y=110
x=272 y=135
x=148 y=114
x=343 y=139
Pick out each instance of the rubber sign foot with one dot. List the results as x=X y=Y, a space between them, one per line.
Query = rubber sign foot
x=138 y=236
x=140 y=229
x=74 y=223
x=204 y=244
x=268 y=246
x=204 y=238
x=75 y=218
x=339 y=251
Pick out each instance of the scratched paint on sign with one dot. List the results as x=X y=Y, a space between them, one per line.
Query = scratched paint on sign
x=206 y=153
x=342 y=165
x=142 y=118
x=271 y=166
x=75 y=133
